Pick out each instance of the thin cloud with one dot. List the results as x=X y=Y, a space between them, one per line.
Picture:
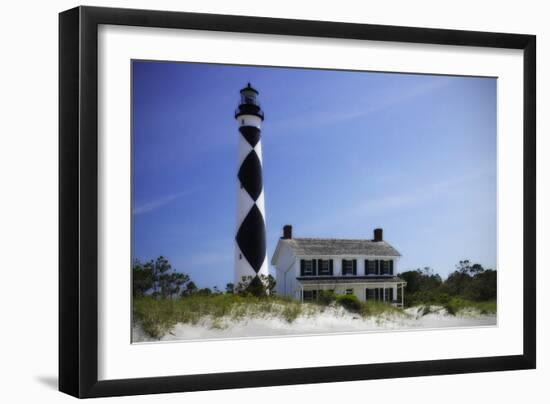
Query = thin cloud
x=320 y=119
x=371 y=206
x=157 y=203
x=422 y=194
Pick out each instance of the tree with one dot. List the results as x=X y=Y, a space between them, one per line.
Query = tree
x=158 y=279
x=469 y=281
x=476 y=269
x=421 y=280
x=229 y=288
x=142 y=278
x=204 y=291
x=173 y=284
x=472 y=281
x=190 y=288
x=458 y=282
x=161 y=271
x=483 y=285
x=260 y=285
x=463 y=267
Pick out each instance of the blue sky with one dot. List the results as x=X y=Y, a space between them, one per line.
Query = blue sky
x=343 y=153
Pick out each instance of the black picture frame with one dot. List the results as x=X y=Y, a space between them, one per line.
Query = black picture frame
x=78 y=201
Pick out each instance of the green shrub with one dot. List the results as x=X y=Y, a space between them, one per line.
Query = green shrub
x=372 y=308
x=326 y=297
x=456 y=305
x=349 y=302
x=155 y=316
x=291 y=312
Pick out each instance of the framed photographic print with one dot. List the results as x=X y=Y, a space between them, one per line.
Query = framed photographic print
x=240 y=194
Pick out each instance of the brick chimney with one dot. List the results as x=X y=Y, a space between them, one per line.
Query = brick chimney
x=287 y=231
x=377 y=235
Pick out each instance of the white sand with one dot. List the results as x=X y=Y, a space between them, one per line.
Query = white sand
x=333 y=320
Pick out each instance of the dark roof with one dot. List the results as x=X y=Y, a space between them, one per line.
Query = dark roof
x=334 y=246
x=349 y=279
x=249 y=88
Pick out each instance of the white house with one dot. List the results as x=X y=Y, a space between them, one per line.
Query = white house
x=365 y=268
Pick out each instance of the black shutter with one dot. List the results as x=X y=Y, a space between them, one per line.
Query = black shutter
x=314 y=266
x=391 y=268
x=391 y=295
x=302 y=265
x=319 y=266
x=377 y=267
x=343 y=267
x=355 y=267
x=366 y=267
x=330 y=267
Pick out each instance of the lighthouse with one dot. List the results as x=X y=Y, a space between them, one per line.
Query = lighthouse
x=250 y=240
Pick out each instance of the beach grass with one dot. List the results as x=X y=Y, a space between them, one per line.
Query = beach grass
x=456 y=305
x=158 y=316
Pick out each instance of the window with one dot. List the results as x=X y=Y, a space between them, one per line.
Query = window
x=308 y=267
x=388 y=295
x=349 y=291
x=386 y=267
x=379 y=294
x=309 y=295
x=325 y=267
x=371 y=294
x=371 y=267
x=349 y=267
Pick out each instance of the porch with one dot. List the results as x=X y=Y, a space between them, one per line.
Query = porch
x=390 y=290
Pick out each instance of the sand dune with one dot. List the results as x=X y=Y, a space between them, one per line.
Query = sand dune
x=332 y=320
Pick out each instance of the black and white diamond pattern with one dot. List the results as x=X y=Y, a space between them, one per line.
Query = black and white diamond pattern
x=251 y=134
x=250 y=175
x=250 y=238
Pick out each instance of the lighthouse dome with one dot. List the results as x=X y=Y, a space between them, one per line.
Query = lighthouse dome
x=249 y=90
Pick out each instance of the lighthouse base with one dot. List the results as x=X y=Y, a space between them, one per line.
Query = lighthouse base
x=255 y=286
x=246 y=279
